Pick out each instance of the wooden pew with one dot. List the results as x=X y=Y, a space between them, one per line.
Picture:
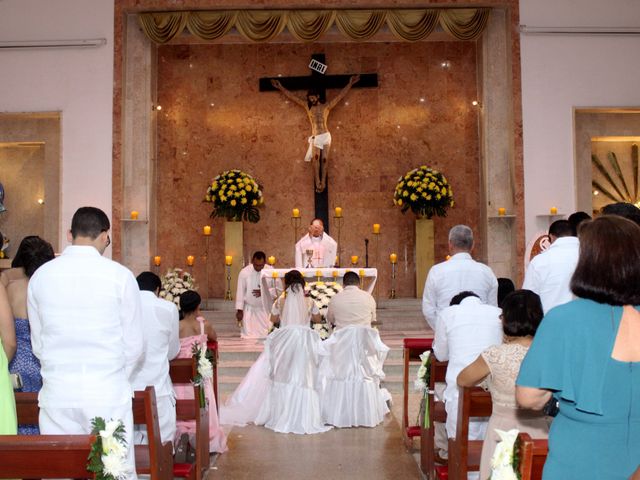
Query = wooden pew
x=154 y=458
x=45 y=456
x=182 y=371
x=532 y=454
x=213 y=346
x=412 y=348
x=464 y=454
x=437 y=413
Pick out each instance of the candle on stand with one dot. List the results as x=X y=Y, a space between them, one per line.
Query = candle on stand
x=271 y=260
x=338 y=212
x=376 y=228
x=553 y=211
x=274 y=274
x=354 y=259
x=361 y=272
x=206 y=230
x=502 y=211
x=334 y=274
x=134 y=215
x=156 y=260
x=228 y=260
x=394 y=258
x=295 y=213
x=190 y=260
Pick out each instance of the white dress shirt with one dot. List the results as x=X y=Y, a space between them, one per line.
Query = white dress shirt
x=550 y=272
x=162 y=344
x=463 y=332
x=86 y=329
x=351 y=306
x=324 y=251
x=255 y=317
x=447 y=279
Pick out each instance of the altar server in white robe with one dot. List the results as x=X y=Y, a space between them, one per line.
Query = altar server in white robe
x=251 y=314
x=324 y=247
x=86 y=330
x=161 y=330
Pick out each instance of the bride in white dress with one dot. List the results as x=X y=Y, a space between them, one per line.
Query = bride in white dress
x=280 y=390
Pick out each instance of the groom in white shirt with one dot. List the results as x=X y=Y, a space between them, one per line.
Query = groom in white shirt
x=86 y=330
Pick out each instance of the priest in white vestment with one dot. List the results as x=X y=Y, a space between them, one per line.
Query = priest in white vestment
x=251 y=314
x=319 y=245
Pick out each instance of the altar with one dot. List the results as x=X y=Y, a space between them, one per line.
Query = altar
x=272 y=279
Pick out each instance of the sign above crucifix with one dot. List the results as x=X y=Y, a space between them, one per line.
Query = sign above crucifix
x=318 y=111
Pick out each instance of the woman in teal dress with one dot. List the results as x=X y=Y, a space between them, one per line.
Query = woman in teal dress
x=586 y=353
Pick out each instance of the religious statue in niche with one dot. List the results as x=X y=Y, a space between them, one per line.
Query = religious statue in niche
x=320 y=139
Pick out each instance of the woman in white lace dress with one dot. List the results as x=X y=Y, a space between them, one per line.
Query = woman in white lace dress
x=500 y=364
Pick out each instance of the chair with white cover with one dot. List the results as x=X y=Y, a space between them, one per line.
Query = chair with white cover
x=350 y=375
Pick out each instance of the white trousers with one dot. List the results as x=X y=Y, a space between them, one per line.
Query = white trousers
x=77 y=421
x=166 y=419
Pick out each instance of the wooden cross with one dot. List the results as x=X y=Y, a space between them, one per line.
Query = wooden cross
x=320 y=83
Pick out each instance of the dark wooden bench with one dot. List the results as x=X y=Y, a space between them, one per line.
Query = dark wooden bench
x=45 y=456
x=437 y=413
x=154 y=458
x=532 y=454
x=464 y=454
x=412 y=348
x=182 y=371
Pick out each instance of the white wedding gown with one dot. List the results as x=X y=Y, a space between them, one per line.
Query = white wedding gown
x=280 y=390
x=350 y=374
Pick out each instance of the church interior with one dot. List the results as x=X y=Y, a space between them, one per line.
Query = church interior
x=135 y=106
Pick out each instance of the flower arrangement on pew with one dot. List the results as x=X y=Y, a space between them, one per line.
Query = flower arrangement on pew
x=206 y=360
x=322 y=293
x=235 y=195
x=421 y=384
x=504 y=461
x=425 y=191
x=107 y=459
x=174 y=283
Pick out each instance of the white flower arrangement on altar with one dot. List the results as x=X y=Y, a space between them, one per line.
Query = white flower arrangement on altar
x=205 y=367
x=502 y=461
x=174 y=283
x=321 y=293
x=108 y=455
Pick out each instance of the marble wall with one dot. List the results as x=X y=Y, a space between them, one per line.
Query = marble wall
x=214 y=118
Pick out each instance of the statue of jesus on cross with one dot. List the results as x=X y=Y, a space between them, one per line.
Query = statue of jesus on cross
x=320 y=139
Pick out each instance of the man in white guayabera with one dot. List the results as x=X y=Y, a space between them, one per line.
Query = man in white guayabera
x=86 y=330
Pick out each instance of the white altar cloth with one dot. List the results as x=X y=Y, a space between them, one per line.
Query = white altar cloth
x=270 y=276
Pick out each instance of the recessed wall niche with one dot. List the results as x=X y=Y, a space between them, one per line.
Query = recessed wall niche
x=30 y=174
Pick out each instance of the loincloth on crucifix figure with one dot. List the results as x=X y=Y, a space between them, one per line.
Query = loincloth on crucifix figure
x=320 y=139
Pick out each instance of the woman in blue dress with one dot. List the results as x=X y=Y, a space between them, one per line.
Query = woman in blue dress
x=586 y=355
x=32 y=252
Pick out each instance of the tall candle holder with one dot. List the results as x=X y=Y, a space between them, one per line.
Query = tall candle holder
x=205 y=258
x=394 y=260
x=228 y=262
x=376 y=240
x=156 y=263
x=295 y=223
x=190 y=261
x=339 y=221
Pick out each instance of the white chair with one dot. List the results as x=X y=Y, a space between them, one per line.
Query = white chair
x=350 y=374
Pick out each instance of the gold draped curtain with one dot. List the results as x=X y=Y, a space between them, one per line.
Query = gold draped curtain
x=309 y=25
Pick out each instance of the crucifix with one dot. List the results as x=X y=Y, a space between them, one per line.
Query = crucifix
x=318 y=112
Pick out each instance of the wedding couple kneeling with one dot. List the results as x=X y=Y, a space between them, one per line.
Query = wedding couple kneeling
x=300 y=384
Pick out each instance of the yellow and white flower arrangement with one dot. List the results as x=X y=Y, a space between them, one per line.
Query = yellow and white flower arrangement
x=174 y=283
x=235 y=195
x=321 y=293
x=108 y=456
x=425 y=191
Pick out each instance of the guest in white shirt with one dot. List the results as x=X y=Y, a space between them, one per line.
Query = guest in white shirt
x=322 y=247
x=162 y=342
x=550 y=272
x=351 y=306
x=459 y=273
x=464 y=331
x=86 y=330
x=251 y=314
